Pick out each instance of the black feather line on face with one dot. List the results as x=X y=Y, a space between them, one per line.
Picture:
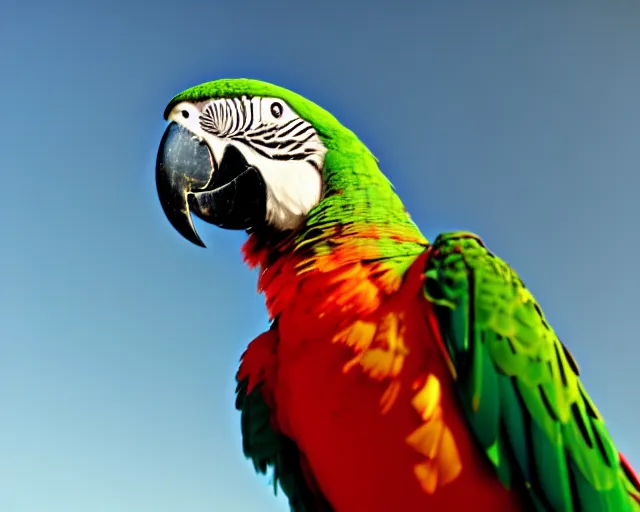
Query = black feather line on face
x=238 y=119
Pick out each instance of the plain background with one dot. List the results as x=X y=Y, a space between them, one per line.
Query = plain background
x=119 y=340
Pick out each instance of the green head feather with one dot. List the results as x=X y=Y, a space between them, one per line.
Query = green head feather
x=333 y=134
x=359 y=204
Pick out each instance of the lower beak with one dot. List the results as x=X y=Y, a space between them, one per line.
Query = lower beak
x=230 y=194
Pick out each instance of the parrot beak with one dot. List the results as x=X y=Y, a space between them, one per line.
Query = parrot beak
x=230 y=194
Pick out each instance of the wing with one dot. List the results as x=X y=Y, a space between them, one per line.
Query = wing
x=261 y=441
x=519 y=385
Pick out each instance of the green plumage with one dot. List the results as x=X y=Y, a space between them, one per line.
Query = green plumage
x=519 y=385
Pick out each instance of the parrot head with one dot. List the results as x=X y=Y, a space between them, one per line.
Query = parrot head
x=245 y=154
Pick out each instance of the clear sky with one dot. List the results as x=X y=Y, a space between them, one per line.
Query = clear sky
x=119 y=340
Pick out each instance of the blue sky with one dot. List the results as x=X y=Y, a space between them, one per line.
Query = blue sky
x=119 y=340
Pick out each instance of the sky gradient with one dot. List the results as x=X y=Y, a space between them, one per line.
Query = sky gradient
x=119 y=340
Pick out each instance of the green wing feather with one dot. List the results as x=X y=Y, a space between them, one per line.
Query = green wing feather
x=520 y=387
x=269 y=449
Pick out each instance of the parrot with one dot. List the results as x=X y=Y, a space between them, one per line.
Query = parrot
x=396 y=374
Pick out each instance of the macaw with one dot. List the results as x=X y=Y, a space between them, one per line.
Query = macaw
x=397 y=374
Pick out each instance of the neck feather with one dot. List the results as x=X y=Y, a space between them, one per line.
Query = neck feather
x=359 y=221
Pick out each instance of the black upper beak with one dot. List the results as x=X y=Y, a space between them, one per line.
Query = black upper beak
x=184 y=164
x=230 y=194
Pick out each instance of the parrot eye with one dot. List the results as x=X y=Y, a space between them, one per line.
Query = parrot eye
x=276 y=109
x=185 y=114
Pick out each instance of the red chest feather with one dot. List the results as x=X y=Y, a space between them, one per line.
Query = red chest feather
x=363 y=390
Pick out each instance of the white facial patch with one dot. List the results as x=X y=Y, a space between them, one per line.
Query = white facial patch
x=294 y=187
x=274 y=139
